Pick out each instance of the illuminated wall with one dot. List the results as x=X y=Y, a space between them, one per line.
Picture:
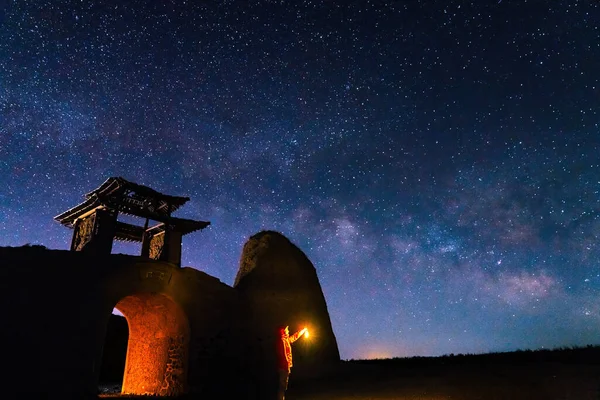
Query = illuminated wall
x=158 y=346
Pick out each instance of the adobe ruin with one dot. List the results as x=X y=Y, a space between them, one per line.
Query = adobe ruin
x=189 y=333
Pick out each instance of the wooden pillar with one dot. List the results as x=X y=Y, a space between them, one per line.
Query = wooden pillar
x=95 y=232
x=146 y=241
x=164 y=246
x=173 y=242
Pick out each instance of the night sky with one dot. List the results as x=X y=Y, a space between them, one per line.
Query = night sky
x=437 y=161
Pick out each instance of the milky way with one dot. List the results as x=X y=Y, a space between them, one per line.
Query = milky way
x=438 y=161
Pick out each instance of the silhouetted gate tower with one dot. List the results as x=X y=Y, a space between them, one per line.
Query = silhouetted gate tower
x=95 y=221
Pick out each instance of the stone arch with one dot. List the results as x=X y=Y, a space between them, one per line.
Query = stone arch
x=158 y=345
x=157 y=356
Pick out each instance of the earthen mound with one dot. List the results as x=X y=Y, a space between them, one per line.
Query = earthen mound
x=281 y=286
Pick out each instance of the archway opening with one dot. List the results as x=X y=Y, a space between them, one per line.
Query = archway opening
x=157 y=346
x=114 y=354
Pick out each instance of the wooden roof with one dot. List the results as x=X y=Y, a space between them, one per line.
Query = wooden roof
x=133 y=233
x=130 y=198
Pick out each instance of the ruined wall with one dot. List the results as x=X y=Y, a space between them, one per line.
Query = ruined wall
x=210 y=339
x=50 y=321
x=58 y=303
x=218 y=343
x=281 y=286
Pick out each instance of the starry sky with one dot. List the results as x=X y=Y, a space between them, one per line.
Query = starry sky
x=437 y=161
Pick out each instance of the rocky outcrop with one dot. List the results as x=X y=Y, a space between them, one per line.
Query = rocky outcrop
x=280 y=285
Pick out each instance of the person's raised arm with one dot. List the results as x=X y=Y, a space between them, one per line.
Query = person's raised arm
x=297 y=335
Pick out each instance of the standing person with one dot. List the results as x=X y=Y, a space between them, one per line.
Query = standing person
x=284 y=357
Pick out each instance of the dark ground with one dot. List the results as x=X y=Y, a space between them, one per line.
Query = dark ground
x=562 y=374
x=526 y=381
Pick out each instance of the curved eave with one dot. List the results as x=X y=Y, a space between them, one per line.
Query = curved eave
x=184 y=226
x=116 y=186
x=68 y=217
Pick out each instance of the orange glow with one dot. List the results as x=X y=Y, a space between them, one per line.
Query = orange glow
x=374 y=354
x=306 y=333
x=157 y=350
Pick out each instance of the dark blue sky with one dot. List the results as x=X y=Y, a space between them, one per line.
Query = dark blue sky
x=438 y=161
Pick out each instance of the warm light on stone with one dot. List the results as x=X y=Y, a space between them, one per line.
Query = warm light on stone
x=158 y=347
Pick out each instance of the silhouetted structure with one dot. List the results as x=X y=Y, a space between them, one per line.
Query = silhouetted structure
x=187 y=331
x=95 y=220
